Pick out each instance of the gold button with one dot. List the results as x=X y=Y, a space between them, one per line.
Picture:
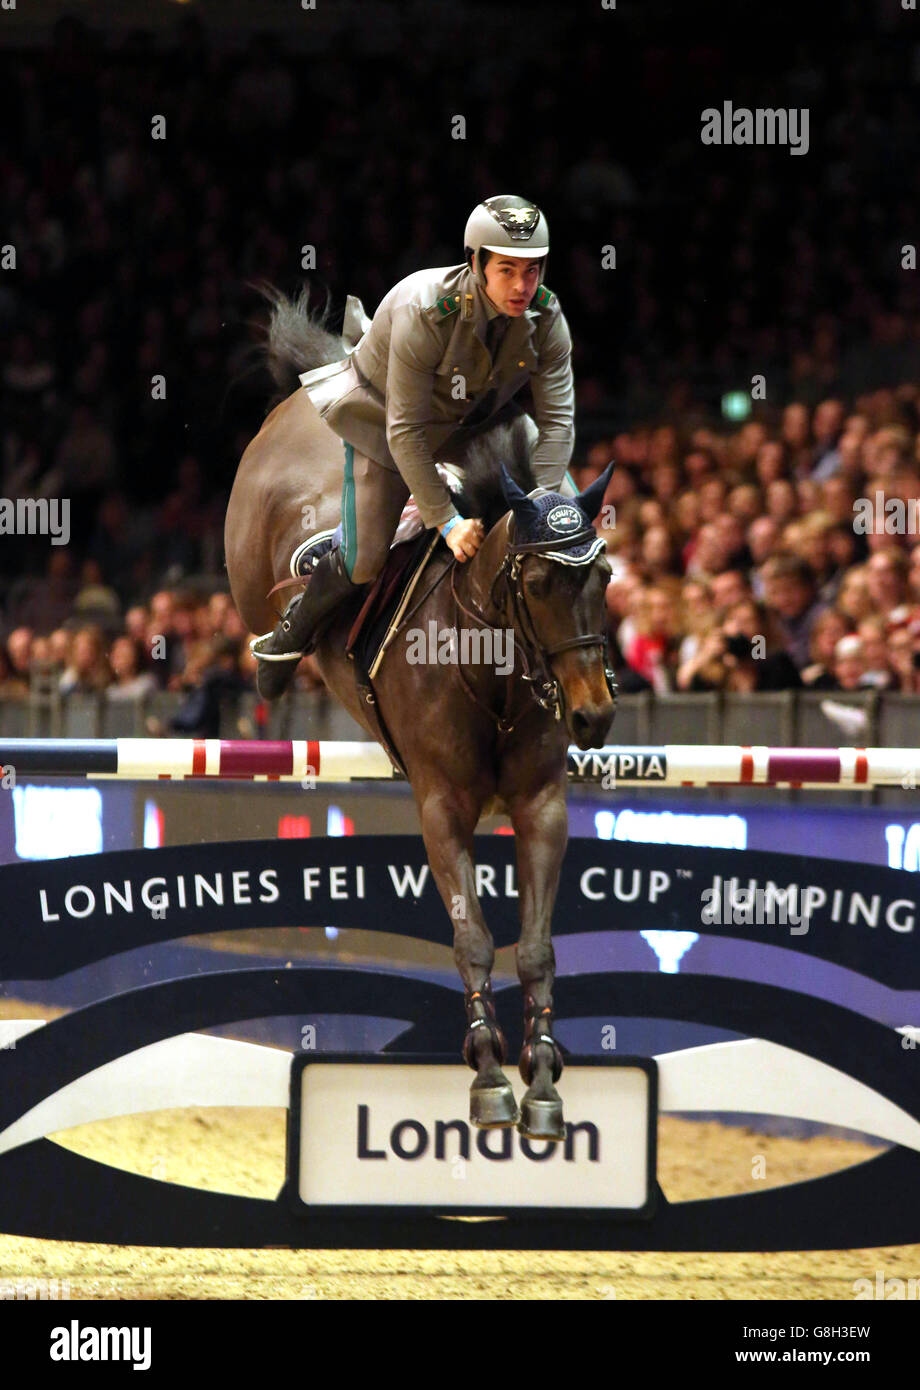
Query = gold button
x=520 y=364
x=456 y=299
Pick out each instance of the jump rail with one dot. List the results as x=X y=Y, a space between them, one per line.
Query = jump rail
x=300 y=760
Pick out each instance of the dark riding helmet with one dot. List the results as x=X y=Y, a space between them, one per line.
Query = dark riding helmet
x=509 y=225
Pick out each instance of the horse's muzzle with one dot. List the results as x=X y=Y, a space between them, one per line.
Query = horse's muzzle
x=590 y=724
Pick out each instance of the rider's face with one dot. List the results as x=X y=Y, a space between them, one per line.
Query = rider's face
x=511 y=282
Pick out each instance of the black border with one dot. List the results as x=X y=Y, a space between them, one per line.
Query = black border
x=290 y=1194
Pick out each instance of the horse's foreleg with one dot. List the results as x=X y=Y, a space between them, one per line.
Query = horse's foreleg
x=448 y=822
x=540 y=824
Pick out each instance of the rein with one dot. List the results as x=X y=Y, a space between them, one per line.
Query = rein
x=535 y=657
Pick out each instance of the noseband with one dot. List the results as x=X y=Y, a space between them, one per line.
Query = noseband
x=535 y=656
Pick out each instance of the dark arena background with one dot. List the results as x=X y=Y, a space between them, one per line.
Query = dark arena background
x=732 y=194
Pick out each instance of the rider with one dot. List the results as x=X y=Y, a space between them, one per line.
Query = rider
x=446 y=352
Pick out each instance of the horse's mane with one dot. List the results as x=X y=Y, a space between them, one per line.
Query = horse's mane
x=298 y=339
x=510 y=442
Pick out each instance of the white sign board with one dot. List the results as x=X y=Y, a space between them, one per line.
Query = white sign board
x=382 y=1133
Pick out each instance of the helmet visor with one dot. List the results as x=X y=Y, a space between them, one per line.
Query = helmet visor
x=531 y=253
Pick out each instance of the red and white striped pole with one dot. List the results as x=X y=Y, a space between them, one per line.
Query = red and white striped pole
x=309 y=760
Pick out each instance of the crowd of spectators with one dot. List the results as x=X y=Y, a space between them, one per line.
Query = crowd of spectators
x=129 y=382
x=756 y=559
x=179 y=642
x=771 y=558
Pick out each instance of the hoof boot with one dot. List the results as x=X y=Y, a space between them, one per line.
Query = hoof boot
x=542 y=1119
x=494 y=1107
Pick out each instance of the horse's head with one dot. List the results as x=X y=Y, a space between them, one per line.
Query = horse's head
x=557 y=574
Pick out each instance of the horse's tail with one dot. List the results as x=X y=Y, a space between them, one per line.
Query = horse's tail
x=296 y=340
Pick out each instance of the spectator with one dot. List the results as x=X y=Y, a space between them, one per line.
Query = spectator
x=746 y=503
x=60 y=647
x=854 y=599
x=96 y=599
x=772 y=463
x=14 y=666
x=904 y=660
x=743 y=654
x=886 y=572
x=796 y=431
x=789 y=594
x=762 y=540
x=708 y=556
x=210 y=683
x=11 y=688
x=19 y=652
x=685 y=518
x=129 y=682
x=782 y=503
x=827 y=429
x=827 y=630
x=88 y=672
x=698 y=617
x=849 y=664
x=647 y=641
x=728 y=589
x=873 y=635
x=659 y=554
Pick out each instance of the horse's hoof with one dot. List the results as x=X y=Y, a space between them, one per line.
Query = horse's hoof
x=542 y=1119
x=494 y=1107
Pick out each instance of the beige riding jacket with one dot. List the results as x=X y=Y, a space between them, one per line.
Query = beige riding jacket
x=422 y=367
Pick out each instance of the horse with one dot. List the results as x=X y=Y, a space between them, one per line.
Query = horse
x=476 y=740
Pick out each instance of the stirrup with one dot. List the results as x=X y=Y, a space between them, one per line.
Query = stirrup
x=266 y=636
x=271 y=656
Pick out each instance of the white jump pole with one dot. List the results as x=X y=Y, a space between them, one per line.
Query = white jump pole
x=320 y=761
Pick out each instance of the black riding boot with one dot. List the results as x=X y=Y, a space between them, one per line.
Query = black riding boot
x=302 y=623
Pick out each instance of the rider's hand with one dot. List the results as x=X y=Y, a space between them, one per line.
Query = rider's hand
x=465 y=538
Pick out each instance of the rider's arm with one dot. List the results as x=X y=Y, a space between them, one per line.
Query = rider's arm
x=415 y=351
x=553 y=391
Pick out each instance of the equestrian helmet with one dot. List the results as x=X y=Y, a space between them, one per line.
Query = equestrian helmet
x=509 y=225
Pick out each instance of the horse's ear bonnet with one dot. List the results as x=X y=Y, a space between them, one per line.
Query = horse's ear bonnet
x=552 y=517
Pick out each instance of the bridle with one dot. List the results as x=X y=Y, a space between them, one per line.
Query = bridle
x=535 y=656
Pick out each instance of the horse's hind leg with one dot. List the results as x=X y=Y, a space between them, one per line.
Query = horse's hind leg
x=449 y=817
x=540 y=824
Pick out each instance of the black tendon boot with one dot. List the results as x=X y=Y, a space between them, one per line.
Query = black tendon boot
x=302 y=623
